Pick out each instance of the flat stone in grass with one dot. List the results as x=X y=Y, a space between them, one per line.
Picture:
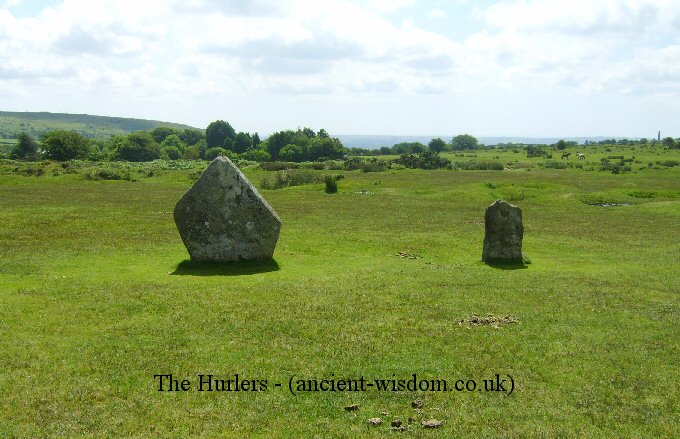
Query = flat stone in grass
x=223 y=218
x=504 y=233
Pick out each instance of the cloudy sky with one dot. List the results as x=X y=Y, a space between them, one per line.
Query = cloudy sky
x=489 y=68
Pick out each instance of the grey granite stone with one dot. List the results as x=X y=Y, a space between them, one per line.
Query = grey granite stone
x=504 y=233
x=223 y=218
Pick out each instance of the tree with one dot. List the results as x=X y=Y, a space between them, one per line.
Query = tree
x=668 y=142
x=255 y=139
x=159 y=134
x=26 y=148
x=437 y=145
x=63 y=145
x=137 y=147
x=292 y=153
x=218 y=131
x=308 y=132
x=323 y=134
x=463 y=141
x=213 y=153
x=171 y=153
x=385 y=150
x=191 y=136
x=325 y=147
x=561 y=144
x=243 y=142
x=173 y=141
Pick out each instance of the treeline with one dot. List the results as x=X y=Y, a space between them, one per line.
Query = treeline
x=168 y=143
x=461 y=142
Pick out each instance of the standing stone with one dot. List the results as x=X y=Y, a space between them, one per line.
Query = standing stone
x=223 y=218
x=504 y=233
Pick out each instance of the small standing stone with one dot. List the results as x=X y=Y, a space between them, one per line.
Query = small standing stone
x=223 y=218
x=504 y=233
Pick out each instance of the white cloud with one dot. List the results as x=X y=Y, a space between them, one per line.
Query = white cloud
x=179 y=49
x=437 y=13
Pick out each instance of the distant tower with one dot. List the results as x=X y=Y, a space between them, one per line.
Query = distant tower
x=658 y=136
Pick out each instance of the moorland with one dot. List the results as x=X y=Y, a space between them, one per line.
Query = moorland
x=384 y=277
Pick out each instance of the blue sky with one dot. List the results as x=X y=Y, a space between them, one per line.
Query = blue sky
x=489 y=68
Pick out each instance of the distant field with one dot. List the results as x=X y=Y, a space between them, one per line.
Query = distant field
x=97 y=296
x=101 y=127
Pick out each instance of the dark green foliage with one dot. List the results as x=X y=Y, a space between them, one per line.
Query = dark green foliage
x=437 y=145
x=670 y=163
x=668 y=142
x=331 y=184
x=535 y=151
x=463 y=142
x=191 y=136
x=171 y=153
x=242 y=143
x=159 y=134
x=173 y=141
x=320 y=146
x=213 y=153
x=64 y=145
x=408 y=148
x=292 y=153
x=107 y=173
x=218 y=131
x=26 y=148
x=473 y=165
x=385 y=150
x=425 y=160
x=256 y=155
x=136 y=147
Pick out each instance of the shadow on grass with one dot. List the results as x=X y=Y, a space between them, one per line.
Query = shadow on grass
x=504 y=264
x=244 y=268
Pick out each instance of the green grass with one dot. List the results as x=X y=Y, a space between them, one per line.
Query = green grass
x=97 y=296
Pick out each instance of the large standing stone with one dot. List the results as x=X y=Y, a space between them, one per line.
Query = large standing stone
x=504 y=233
x=223 y=218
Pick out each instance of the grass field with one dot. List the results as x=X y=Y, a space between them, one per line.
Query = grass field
x=97 y=296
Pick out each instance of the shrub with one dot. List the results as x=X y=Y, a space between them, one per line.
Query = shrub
x=554 y=164
x=331 y=184
x=374 y=166
x=479 y=166
x=670 y=163
x=287 y=178
x=424 y=160
x=278 y=166
x=213 y=153
x=107 y=173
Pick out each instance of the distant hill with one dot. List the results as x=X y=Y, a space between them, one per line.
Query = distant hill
x=100 y=127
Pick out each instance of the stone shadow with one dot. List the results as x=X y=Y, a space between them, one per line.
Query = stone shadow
x=507 y=264
x=242 y=268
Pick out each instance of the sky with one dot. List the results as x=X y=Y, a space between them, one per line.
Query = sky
x=404 y=67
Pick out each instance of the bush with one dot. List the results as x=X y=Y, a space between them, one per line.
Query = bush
x=374 y=166
x=107 y=173
x=278 y=166
x=670 y=163
x=553 y=164
x=213 y=153
x=287 y=178
x=331 y=184
x=425 y=160
x=472 y=165
x=256 y=155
